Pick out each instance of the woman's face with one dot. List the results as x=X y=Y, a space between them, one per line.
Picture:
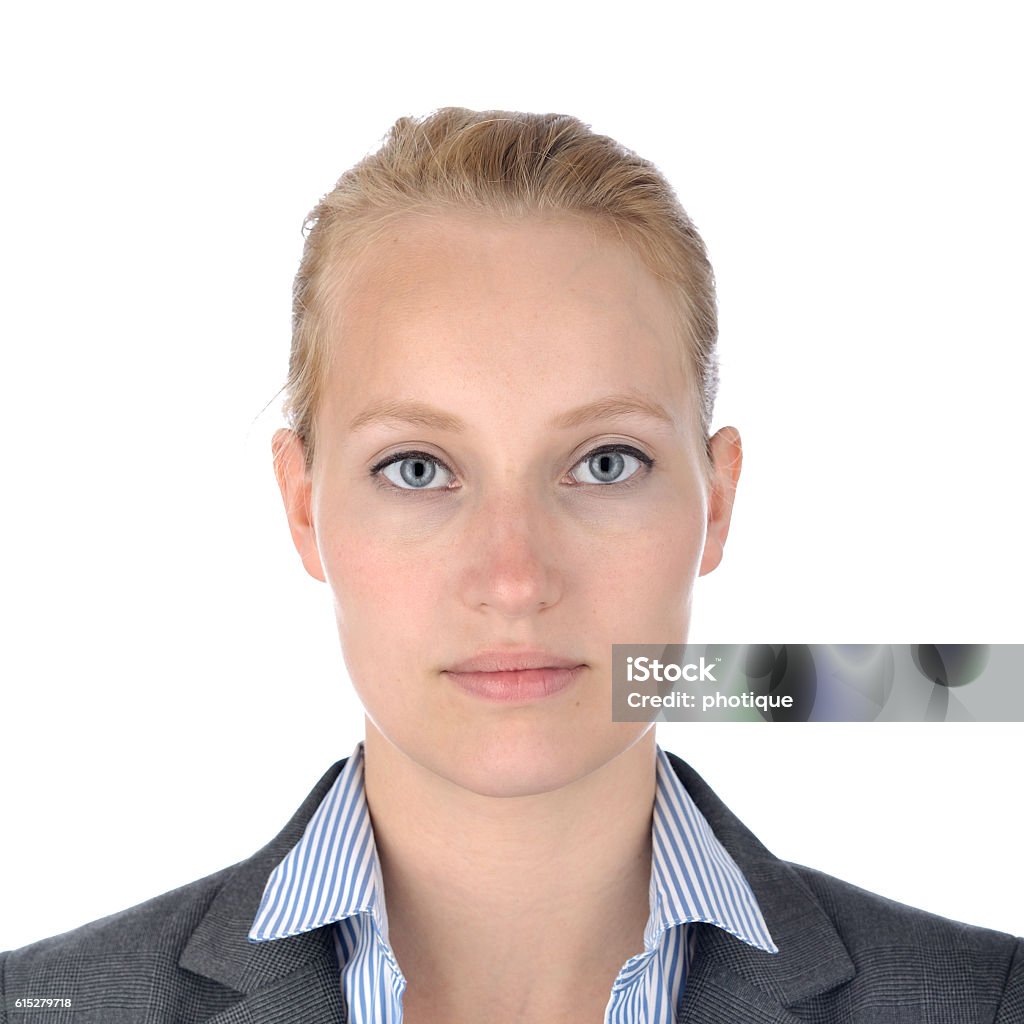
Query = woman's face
x=508 y=460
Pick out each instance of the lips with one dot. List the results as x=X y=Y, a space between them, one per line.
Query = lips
x=514 y=675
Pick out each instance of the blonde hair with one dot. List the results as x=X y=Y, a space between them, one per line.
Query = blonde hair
x=509 y=164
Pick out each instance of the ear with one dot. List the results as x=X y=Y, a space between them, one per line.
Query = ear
x=727 y=460
x=297 y=490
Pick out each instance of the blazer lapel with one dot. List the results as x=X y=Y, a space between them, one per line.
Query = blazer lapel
x=731 y=981
x=311 y=995
x=283 y=981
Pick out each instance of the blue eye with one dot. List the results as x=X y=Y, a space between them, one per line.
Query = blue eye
x=611 y=464
x=414 y=471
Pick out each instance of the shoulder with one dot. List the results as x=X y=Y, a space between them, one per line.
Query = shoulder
x=898 y=949
x=846 y=954
x=153 y=923
x=136 y=949
x=183 y=955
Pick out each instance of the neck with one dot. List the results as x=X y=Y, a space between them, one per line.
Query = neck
x=497 y=887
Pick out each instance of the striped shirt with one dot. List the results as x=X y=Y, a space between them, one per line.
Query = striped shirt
x=332 y=876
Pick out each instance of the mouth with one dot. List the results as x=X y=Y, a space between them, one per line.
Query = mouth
x=515 y=676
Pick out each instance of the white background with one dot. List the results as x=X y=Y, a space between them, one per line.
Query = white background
x=171 y=681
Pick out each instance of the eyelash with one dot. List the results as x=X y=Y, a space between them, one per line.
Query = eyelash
x=605 y=449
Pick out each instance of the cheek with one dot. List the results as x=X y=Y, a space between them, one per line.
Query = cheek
x=677 y=559
x=383 y=592
x=649 y=578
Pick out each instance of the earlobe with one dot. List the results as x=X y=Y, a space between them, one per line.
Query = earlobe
x=727 y=461
x=296 y=491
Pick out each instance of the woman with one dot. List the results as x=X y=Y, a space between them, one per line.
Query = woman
x=505 y=465
x=501 y=384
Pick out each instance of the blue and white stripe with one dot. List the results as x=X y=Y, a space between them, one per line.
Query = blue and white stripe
x=332 y=876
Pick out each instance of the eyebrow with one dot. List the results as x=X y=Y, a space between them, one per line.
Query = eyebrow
x=421 y=414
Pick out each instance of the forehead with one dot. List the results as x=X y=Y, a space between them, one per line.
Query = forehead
x=550 y=307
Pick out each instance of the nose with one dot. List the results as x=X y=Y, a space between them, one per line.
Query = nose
x=511 y=557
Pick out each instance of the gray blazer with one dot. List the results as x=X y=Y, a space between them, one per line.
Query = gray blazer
x=845 y=955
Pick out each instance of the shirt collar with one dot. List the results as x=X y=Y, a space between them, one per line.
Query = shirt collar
x=693 y=877
x=333 y=873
